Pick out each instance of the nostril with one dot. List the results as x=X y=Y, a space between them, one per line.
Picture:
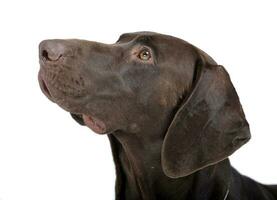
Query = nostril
x=55 y=50
x=45 y=55
x=50 y=56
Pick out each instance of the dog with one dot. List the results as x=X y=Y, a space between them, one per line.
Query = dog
x=169 y=110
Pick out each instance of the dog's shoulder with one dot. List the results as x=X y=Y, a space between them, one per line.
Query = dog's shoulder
x=245 y=188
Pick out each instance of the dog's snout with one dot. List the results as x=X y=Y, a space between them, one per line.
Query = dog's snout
x=53 y=50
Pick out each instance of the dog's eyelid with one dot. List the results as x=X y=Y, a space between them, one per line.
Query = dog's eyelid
x=145 y=48
x=139 y=48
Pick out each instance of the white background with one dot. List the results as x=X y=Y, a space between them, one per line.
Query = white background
x=45 y=155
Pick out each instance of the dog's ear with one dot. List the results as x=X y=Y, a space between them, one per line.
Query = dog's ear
x=208 y=127
x=78 y=118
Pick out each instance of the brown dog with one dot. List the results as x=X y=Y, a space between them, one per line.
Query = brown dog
x=171 y=113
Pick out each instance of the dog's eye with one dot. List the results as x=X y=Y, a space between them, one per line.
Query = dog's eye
x=144 y=55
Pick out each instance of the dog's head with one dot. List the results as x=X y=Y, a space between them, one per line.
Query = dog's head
x=138 y=79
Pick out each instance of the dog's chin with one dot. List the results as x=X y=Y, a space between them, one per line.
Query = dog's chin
x=95 y=124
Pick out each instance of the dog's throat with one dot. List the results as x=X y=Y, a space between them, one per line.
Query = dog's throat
x=94 y=124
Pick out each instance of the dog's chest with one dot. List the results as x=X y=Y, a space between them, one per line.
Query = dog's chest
x=137 y=181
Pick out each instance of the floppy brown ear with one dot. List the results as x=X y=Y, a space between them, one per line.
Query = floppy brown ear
x=208 y=127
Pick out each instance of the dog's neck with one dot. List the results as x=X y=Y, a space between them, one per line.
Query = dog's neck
x=140 y=175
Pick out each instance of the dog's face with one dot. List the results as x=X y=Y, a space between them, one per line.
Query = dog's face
x=110 y=87
x=141 y=82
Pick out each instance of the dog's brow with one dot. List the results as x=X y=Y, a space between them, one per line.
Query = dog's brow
x=143 y=39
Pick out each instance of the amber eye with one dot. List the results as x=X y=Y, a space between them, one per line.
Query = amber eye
x=144 y=55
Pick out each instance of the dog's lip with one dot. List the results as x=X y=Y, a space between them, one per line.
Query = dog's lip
x=95 y=124
x=92 y=122
x=44 y=87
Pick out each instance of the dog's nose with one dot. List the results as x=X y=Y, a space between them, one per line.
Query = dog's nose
x=53 y=50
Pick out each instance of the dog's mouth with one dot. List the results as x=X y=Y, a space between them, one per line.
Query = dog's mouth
x=43 y=86
x=71 y=102
x=45 y=89
x=93 y=123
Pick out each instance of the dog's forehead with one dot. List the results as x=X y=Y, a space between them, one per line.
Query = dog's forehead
x=126 y=37
x=133 y=35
